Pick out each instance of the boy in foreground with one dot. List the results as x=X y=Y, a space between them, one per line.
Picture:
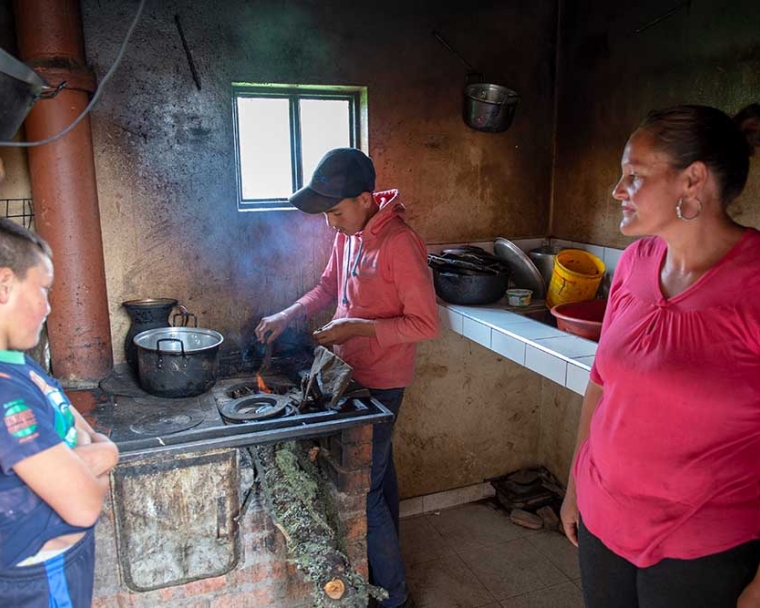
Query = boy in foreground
x=53 y=466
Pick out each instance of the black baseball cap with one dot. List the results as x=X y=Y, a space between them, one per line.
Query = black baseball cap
x=342 y=173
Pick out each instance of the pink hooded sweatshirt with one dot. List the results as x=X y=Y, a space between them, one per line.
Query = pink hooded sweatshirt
x=380 y=273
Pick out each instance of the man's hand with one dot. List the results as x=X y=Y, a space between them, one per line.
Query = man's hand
x=340 y=330
x=270 y=328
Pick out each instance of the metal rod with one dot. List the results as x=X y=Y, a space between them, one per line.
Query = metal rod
x=662 y=17
x=193 y=71
x=440 y=38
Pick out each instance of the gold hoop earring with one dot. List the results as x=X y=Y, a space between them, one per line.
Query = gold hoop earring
x=688 y=218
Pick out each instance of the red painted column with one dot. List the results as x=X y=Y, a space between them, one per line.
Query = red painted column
x=50 y=39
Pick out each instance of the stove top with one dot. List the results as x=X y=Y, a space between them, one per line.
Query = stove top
x=233 y=414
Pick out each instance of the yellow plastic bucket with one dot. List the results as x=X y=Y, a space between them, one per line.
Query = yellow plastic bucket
x=575 y=278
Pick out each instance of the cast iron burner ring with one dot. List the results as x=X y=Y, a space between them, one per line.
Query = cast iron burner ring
x=155 y=425
x=279 y=386
x=257 y=407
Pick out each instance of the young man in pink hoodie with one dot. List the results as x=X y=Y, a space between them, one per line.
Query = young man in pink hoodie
x=378 y=276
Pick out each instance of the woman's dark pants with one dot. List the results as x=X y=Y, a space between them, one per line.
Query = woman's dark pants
x=714 y=581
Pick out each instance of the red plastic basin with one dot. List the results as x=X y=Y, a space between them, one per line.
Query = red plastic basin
x=582 y=319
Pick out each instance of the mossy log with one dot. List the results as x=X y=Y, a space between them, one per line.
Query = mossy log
x=291 y=486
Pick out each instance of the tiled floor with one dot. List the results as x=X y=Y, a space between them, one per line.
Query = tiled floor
x=473 y=556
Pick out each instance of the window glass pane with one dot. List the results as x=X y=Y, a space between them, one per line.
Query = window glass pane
x=325 y=125
x=264 y=140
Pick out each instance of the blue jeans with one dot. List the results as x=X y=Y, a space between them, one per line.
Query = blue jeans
x=383 y=548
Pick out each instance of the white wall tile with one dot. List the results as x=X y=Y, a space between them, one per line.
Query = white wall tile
x=545 y=364
x=450 y=319
x=569 y=346
x=584 y=362
x=534 y=330
x=596 y=250
x=509 y=347
x=562 y=243
x=477 y=332
x=611 y=257
x=577 y=379
x=527 y=244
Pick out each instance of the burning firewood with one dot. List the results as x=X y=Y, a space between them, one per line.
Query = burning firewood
x=290 y=484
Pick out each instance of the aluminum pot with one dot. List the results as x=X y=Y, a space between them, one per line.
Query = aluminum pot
x=470 y=288
x=543 y=258
x=489 y=107
x=178 y=362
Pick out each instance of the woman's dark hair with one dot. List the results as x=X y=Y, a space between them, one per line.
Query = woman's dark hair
x=20 y=249
x=691 y=133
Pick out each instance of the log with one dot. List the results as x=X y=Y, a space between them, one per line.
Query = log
x=290 y=484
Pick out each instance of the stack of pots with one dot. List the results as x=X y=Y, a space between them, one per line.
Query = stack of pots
x=469 y=276
x=173 y=362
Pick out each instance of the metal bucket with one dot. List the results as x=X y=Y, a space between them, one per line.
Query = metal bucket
x=489 y=107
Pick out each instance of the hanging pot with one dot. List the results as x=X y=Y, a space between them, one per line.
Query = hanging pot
x=486 y=106
x=178 y=362
x=489 y=107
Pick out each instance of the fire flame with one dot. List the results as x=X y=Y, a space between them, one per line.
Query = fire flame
x=263 y=388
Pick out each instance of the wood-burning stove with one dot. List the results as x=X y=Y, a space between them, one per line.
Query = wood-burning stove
x=179 y=492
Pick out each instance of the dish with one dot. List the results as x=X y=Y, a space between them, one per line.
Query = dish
x=525 y=275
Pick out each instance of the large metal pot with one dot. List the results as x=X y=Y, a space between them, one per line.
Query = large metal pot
x=470 y=288
x=178 y=361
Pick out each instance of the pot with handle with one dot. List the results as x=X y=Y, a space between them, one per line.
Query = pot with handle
x=151 y=313
x=470 y=287
x=486 y=106
x=178 y=362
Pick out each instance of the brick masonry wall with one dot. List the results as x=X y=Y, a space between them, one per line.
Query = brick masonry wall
x=262 y=578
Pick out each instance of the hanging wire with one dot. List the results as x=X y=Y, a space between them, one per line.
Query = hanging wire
x=95 y=97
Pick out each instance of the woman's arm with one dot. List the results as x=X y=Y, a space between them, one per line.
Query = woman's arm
x=569 y=510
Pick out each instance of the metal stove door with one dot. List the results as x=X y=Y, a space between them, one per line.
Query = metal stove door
x=175 y=518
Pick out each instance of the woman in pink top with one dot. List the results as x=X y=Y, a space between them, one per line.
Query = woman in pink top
x=664 y=496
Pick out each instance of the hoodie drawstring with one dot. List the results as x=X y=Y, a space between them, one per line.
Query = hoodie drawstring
x=353 y=272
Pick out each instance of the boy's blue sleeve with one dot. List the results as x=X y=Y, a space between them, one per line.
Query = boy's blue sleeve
x=28 y=423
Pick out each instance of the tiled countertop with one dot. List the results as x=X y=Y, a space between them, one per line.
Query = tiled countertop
x=556 y=355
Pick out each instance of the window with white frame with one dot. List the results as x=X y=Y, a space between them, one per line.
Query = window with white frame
x=281 y=132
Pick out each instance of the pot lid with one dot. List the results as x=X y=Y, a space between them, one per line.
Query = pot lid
x=525 y=275
x=178 y=339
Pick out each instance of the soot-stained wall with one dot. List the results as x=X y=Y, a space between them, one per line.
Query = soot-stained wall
x=164 y=149
x=618 y=60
